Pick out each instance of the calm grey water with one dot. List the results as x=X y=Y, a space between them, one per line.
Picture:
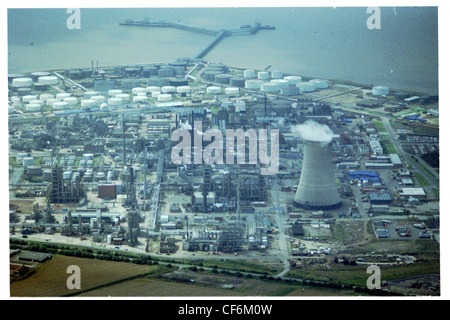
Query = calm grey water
x=321 y=42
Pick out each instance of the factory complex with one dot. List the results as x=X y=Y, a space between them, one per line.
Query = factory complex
x=91 y=164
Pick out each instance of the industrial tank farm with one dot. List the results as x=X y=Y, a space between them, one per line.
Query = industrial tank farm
x=91 y=164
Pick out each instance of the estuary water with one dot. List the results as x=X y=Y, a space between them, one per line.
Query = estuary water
x=322 y=42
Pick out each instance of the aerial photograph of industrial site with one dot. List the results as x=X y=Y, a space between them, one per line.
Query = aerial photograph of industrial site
x=215 y=152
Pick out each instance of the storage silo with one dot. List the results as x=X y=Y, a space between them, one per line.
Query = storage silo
x=317 y=188
x=253 y=84
x=237 y=82
x=270 y=87
x=293 y=80
x=306 y=87
x=249 y=74
x=380 y=91
x=48 y=80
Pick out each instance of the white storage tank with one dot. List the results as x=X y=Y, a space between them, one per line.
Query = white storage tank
x=90 y=94
x=138 y=90
x=293 y=80
x=249 y=74
x=33 y=107
x=380 y=91
x=114 y=92
x=71 y=101
x=281 y=82
x=232 y=90
x=22 y=82
x=51 y=102
x=155 y=94
x=140 y=99
x=253 y=84
x=38 y=102
x=277 y=74
x=88 y=156
x=165 y=97
x=20 y=157
x=29 y=98
x=59 y=105
x=306 y=87
x=125 y=97
x=115 y=101
x=213 y=90
x=153 y=89
x=184 y=89
x=98 y=99
x=45 y=96
x=263 y=75
x=270 y=87
x=168 y=89
x=320 y=83
x=88 y=103
x=48 y=80
x=62 y=95
x=15 y=100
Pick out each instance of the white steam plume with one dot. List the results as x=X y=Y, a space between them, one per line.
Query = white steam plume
x=313 y=131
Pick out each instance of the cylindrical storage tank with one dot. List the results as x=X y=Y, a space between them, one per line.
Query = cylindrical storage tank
x=179 y=70
x=263 y=75
x=184 y=89
x=293 y=80
x=270 y=87
x=88 y=103
x=138 y=90
x=113 y=92
x=153 y=89
x=40 y=87
x=166 y=72
x=237 y=82
x=306 y=86
x=253 y=84
x=249 y=74
x=48 y=80
x=71 y=101
x=157 y=82
x=213 y=90
x=33 y=107
x=52 y=101
x=20 y=157
x=168 y=89
x=38 y=102
x=130 y=83
x=35 y=75
x=380 y=91
x=28 y=161
x=90 y=94
x=22 y=82
x=210 y=75
x=29 y=98
x=104 y=85
x=277 y=74
x=281 y=82
x=124 y=96
x=14 y=76
x=115 y=101
x=155 y=94
x=150 y=71
x=88 y=156
x=140 y=99
x=320 y=83
x=16 y=100
x=23 y=91
x=289 y=91
x=177 y=82
x=232 y=90
x=62 y=95
x=59 y=105
x=223 y=78
x=317 y=188
x=45 y=96
x=132 y=71
x=98 y=99
x=165 y=97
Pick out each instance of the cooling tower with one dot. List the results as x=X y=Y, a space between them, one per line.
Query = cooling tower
x=317 y=188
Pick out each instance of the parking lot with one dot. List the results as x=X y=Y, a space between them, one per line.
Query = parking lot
x=401 y=231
